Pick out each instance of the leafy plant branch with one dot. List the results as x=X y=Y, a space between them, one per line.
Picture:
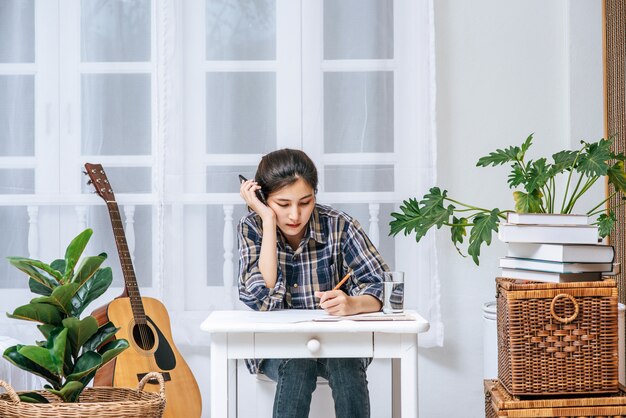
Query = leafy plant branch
x=538 y=183
x=74 y=349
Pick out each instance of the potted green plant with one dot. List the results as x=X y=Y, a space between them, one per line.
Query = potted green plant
x=535 y=191
x=74 y=348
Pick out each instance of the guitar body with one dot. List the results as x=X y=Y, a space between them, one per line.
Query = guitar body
x=151 y=350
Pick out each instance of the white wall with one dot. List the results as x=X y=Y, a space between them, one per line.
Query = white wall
x=505 y=69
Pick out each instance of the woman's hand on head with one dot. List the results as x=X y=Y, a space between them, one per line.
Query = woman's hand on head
x=247 y=193
x=336 y=302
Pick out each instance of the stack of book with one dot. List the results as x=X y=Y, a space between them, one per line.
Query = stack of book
x=554 y=248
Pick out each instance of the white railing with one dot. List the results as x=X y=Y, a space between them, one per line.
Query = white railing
x=128 y=203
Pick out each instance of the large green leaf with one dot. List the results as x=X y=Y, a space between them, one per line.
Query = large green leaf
x=40 y=289
x=80 y=331
x=86 y=363
x=564 y=160
x=69 y=392
x=458 y=231
x=46 y=329
x=32 y=397
x=409 y=220
x=50 y=358
x=58 y=265
x=91 y=289
x=525 y=146
x=606 y=223
x=432 y=210
x=74 y=251
x=617 y=177
x=528 y=202
x=12 y=355
x=88 y=266
x=38 y=312
x=593 y=162
x=516 y=176
x=61 y=297
x=484 y=226
x=538 y=175
x=37 y=270
x=105 y=332
x=499 y=156
x=112 y=349
x=432 y=202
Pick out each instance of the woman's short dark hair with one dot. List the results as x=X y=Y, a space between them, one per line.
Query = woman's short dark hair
x=283 y=167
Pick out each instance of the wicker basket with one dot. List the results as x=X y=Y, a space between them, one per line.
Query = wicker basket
x=498 y=403
x=98 y=402
x=557 y=338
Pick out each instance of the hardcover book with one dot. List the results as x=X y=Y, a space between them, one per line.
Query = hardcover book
x=547 y=219
x=558 y=234
x=593 y=253
x=553 y=266
x=545 y=276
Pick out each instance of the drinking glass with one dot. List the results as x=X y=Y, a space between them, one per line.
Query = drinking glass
x=393 y=292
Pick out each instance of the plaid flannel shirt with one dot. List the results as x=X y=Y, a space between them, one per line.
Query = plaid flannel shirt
x=333 y=244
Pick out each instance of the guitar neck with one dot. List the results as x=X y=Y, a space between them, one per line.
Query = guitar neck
x=130 y=280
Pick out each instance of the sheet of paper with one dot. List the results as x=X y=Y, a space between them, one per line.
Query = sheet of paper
x=373 y=316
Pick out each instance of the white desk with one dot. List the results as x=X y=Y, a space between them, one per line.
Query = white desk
x=294 y=334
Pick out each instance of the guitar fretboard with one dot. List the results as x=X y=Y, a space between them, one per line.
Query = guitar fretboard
x=127 y=265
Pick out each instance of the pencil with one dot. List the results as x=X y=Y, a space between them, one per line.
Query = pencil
x=343 y=280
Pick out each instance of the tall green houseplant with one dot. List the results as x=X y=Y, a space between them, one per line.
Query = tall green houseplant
x=535 y=191
x=74 y=348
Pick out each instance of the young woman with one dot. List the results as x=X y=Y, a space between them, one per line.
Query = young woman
x=292 y=253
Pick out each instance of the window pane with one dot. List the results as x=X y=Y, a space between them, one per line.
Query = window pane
x=116 y=114
x=358 y=112
x=126 y=180
x=17 y=181
x=360 y=211
x=215 y=246
x=358 y=178
x=224 y=179
x=115 y=30
x=17 y=31
x=104 y=241
x=241 y=112
x=14 y=227
x=240 y=30
x=17 y=115
x=358 y=29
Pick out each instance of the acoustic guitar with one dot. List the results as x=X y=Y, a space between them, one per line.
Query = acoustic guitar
x=145 y=323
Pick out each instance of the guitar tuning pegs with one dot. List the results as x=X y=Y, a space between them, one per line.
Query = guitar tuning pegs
x=89 y=182
x=85 y=173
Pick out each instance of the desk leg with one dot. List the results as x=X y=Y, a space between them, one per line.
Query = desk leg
x=408 y=377
x=219 y=376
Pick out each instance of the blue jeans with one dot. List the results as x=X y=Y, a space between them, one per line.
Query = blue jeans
x=296 y=380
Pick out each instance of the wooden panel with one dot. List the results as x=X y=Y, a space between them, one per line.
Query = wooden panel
x=615 y=113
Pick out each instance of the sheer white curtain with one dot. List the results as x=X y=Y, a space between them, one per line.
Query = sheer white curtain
x=350 y=82
x=175 y=98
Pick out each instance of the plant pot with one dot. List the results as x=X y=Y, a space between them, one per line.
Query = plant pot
x=98 y=402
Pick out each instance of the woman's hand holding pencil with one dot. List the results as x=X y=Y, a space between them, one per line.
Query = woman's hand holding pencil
x=336 y=301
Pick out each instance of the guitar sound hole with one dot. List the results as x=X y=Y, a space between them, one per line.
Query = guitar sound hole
x=143 y=336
